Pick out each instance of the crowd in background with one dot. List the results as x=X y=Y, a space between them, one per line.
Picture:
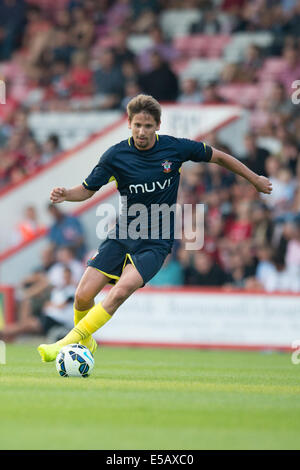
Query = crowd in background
x=82 y=55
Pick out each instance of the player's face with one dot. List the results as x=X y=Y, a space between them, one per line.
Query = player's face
x=143 y=127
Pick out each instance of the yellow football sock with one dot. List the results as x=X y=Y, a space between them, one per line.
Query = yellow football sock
x=89 y=342
x=79 y=314
x=90 y=323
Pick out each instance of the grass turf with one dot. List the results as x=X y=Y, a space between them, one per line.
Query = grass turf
x=151 y=399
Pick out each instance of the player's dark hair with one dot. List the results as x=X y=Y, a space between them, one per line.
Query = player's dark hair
x=144 y=104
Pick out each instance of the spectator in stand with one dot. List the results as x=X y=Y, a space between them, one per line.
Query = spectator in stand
x=7 y=112
x=82 y=30
x=34 y=290
x=12 y=22
x=296 y=203
x=121 y=52
x=213 y=207
x=217 y=178
x=79 y=79
x=138 y=7
x=113 y=16
x=254 y=156
x=62 y=49
x=211 y=94
x=279 y=101
x=190 y=93
x=192 y=183
x=32 y=152
x=292 y=25
x=66 y=231
x=289 y=155
x=241 y=228
x=265 y=266
x=262 y=224
x=20 y=123
x=28 y=227
x=58 y=83
x=161 y=82
x=208 y=24
x=51 y=149
x=245 y=16
x=13 y=160
x=247 y=251
x=108 y=81
x=65 y=258
x=171 y=274
x=130 y=71
x=22 y=155
x=237 y=269
x=36 y=39
x=280 y=278
x=214 y=232
x=231 y=73
x=284 y=231
x=251 y=64
x=132 y=89
x=183 y=256
x=63 y=20
x=232 y=6
x=241 y=192
x=291 y=70
x=54 y=308
x=57 y=313
x=159 y=45
x=204 y=272
x=292 y=258
x=145 y=22
x=284 y=186
x=19 y=132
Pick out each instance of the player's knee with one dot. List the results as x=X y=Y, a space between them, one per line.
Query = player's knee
x=121 y=293
x=83 y=299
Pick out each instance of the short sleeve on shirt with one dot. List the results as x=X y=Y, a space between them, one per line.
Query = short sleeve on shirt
x=102 y=173
x=195 y=151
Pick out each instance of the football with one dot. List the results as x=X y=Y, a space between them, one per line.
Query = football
x=74 y=360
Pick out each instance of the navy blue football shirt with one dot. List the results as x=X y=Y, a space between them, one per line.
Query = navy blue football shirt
x=147 y=177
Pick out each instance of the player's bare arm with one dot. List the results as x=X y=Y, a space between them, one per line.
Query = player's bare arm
x=261 y=183
x=76 y=194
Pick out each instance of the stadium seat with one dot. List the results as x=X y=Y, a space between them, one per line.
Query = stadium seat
x=137 y=43
x=177 y=22
x=201 y=45
x=241 y=93
x=203 y=70
x=271 y=69
x=235 y=50
x=265 y=87
x=179 y=65
x=216 y=45
x=186 y=46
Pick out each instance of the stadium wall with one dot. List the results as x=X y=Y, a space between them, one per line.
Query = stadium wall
x=204 y=318
x=198 y=318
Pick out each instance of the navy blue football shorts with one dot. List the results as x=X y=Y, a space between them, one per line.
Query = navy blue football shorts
x=114 y=254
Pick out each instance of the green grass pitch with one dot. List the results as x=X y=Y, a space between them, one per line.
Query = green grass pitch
x=152 y=399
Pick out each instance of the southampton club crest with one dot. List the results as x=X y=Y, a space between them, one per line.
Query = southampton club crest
x=167 y=166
